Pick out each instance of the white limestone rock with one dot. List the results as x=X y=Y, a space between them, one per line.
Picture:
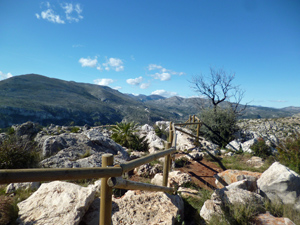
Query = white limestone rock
x=147 y=208
x=56 y=203
x=281 y=183
x=26 y=186
x=175 y=179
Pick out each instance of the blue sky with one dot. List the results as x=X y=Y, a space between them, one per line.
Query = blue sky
x=156 y=47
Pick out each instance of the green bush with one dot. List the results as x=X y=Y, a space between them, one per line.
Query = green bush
x=219 y=125
x=125 y=135
x=261 y=149
x=17 y=153
x=289 y=152
x=75 y=129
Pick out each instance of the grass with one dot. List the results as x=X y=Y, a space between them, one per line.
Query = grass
x=238 y=162
x=193 y=205
x=9 y=205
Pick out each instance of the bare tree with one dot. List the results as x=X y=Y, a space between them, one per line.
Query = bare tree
x=218 y=88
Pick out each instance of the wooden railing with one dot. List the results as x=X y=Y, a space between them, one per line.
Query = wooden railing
x=110 y=175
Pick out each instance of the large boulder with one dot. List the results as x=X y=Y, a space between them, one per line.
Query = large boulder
x=225 y=196
x=56 y=203
x=143 y=208
x=281 y=183
x=230 y=176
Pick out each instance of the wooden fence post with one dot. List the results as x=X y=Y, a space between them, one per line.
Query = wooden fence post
x=106 y=193
x=171 y=133
x=166 y=170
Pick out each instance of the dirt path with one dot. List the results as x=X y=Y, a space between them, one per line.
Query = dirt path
x=202 y=173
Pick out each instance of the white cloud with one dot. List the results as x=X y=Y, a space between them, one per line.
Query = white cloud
x=164 y=93
x=104 y=81
x=5 y=75
x=114 y=63
x=279 y=101
x=154 y=67
x=50 y=15
x=77 y=46
x=72 y=13
x=135 y=81
x=163 y=74
x=117 y=88
x=88 y=62
x=144 y=85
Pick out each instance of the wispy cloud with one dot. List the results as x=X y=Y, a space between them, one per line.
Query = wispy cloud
x=279 y=101
x=5 y=75
x=163 y=74
x=72 y=13
x=135 y=81
x=88 y=62
x=164 y=93
x=77 y=46
x=114 y=64
x=104 y=81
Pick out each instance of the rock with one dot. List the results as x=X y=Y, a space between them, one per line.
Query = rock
x=175 y=179
x=192 y=156
x=142 y=208
x=188 y=192
x=249 y=185
x=184 y=142
x=136 y=155
x=230 y=176
x=56 y=203
x=267 y=218
x=222 y=197
x=26 y=186
x=98 y=138
x=278 y=182
x=28 y=129
x=255 y=161
x=146 y=170
x=236 y=145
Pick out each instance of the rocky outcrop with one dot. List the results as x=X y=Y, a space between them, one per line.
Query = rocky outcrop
x=255 y=161
x=155 y=142
x=26 y=130
x=230 y=176
x=56 y=203
x=280 y=183
x=143 y=208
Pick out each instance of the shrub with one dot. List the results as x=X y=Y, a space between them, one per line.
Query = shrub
x=261 y=149
x=8 y=210
x=219 y=125
x=289 y=152
x=75 y=129
x=16 y=153
x=124 y=134
x=181 y=162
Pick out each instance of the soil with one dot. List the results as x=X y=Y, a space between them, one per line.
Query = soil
x=202 y=173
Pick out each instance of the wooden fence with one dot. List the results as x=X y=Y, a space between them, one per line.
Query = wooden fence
x=110 y=175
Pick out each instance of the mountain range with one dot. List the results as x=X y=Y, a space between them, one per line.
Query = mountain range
x=47 y=100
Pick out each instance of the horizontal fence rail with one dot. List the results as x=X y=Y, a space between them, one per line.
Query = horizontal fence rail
x=32 y=175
